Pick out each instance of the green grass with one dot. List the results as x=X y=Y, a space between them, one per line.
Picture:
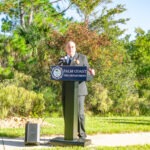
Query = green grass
x=117 y=124
x=94 y=125
x=136 y=147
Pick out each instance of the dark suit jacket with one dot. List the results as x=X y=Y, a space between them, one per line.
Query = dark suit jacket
x=80 y=60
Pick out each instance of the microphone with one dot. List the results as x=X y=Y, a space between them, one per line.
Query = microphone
x=62 y=60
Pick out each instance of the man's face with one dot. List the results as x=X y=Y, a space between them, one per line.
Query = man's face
x=71 y=49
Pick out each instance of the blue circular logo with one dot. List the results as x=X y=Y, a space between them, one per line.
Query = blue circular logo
x=57 y=72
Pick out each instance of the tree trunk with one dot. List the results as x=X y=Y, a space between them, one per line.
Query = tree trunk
x=21 y=11
x=31 y=16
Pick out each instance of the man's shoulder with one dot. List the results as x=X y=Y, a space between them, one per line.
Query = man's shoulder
x=81 y=55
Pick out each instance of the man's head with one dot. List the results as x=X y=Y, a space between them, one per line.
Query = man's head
x=70 y=48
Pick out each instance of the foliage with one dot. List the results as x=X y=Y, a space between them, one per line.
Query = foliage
x=6 y=25
x=116 y=73
x=139 y=50
x=87 y=7
x=22 y=12
x=38 y=40
x=106 y=22
x=99 y=100
x=20 y=80
x=19 y=101
x=91 y=41
x=52 y=102
x=6 y=60
x=132 y=106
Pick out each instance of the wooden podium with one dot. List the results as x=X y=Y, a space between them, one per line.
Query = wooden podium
x=70 y=75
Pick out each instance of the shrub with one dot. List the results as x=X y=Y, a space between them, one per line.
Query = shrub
x=132 y=105
x=19 y=101
x=20 y=80
x=52 y=102
x=99 y=99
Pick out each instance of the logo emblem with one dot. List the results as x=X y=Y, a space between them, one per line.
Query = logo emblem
x=57 y=72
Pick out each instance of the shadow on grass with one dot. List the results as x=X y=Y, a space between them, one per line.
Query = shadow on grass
x=128 y=121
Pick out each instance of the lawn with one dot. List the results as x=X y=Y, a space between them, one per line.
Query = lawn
x=94 y=125
x=137 y=147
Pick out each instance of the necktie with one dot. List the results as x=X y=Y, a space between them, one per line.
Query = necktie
x=69 y=60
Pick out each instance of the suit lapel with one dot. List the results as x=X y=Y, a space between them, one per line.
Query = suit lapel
x=73 y=62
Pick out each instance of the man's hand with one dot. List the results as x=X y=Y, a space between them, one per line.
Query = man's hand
x=92 y=71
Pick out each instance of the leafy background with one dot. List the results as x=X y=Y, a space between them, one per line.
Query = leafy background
x=34 y=34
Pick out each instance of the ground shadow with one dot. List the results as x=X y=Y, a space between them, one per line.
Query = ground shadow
x=128 y=121
x=6 y=142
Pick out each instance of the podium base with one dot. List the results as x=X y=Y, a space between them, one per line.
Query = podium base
x=59 y=141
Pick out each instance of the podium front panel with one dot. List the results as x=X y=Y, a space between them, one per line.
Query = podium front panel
x=69 y=73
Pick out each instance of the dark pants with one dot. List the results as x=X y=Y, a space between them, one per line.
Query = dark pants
x=81 y=117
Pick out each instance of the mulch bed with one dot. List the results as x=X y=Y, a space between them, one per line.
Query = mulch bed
x=19 y=122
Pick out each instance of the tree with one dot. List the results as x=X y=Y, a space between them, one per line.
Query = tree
x=139 y=49
x=107 y=24
x=38 y=40
x=24 y=13
x=87 y=7
x=6 y=25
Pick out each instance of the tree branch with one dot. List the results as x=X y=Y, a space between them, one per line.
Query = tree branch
x=55 y=1
x=63 y=10
x=31 y=16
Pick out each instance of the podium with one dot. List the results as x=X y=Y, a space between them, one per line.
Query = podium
x=71 y=76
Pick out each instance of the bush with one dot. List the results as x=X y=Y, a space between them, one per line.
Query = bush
x=99 y=99
x=20 y=80
x=144 y=107
x=52 y=102
x=132 y=105
x=19 y=101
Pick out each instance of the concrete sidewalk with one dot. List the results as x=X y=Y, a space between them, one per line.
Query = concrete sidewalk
x=97 y=140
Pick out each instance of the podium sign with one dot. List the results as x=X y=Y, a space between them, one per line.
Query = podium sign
x=69 y=73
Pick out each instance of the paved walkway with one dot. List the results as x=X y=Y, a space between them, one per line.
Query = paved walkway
x=97 y=140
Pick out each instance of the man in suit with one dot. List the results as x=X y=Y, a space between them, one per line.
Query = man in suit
x=76 y=59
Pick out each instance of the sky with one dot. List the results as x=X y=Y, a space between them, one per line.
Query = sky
x=139 y=13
